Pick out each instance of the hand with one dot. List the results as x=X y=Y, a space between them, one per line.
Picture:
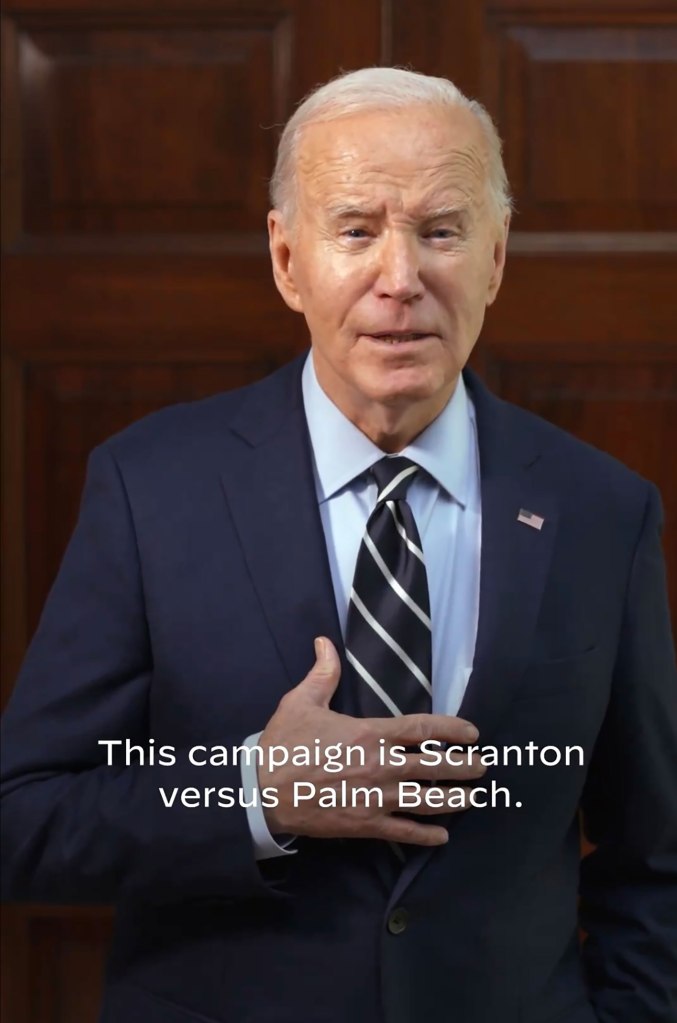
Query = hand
x=303 y=715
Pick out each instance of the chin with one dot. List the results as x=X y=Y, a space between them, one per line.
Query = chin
x=401 y=398
x=406 y=385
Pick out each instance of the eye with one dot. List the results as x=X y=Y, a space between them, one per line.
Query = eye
x=442 y=233
x=354 y=232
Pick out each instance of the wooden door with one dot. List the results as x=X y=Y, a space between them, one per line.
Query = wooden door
x=137 y=145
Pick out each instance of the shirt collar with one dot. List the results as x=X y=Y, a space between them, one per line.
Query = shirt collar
x=342 y=452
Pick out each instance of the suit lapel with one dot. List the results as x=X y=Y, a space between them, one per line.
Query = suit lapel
x=515 y=557
x=514 y=563
x=270 y=490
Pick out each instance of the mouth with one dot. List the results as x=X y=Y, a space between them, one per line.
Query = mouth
x=398 y=337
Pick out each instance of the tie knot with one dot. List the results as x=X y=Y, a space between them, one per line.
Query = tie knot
x=393 y=476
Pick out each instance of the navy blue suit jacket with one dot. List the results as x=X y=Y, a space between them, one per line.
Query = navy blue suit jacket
x=186 y=606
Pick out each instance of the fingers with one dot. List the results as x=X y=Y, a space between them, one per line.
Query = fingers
x=413 y=729
x=449 y=799
x=406 y=832
x=435 y=762
x=463 y=768
x=320 y=683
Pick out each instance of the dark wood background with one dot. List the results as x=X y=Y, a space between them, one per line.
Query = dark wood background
x=137 y=144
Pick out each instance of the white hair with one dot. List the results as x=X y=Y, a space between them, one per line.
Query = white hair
x=376 y=88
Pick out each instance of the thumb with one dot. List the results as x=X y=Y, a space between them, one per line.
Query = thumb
x=321 y=681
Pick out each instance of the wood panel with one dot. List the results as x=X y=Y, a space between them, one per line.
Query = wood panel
x=191 y=159
x=437 y=37
x=598 y=300
x=53 y=963
x=158 y=124
x=110 y=305
x=577 y=106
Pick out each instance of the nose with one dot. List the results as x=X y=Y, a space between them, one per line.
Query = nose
x=399 y=267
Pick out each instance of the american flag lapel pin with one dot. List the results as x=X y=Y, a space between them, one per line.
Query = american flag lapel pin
x=530 y=519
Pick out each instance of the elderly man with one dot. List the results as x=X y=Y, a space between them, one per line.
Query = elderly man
x=468 y=575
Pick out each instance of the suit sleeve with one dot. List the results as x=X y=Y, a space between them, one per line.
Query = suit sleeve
x=629 y=883
x=73 y=828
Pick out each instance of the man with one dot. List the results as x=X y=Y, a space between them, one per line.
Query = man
x=468 y=574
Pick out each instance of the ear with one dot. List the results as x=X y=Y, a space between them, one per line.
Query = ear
x=280 y=243
x=499 y=254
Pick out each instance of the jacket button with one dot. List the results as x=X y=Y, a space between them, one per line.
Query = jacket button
x=398 y=920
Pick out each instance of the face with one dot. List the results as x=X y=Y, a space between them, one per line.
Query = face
x=393 y=254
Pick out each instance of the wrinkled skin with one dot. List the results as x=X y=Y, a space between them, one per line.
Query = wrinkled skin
x=393 y=230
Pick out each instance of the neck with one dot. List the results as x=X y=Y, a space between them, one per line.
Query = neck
x=392 y=430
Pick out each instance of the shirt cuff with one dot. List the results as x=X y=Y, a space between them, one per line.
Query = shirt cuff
x=265 y=846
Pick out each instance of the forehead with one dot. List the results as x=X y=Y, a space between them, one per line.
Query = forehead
x=411 y=155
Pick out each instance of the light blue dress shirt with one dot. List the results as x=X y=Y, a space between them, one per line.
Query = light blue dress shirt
x=446 y=503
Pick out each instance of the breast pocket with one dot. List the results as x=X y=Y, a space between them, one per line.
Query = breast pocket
x=546 y=679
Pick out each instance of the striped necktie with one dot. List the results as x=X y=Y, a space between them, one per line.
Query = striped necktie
x=388 y=634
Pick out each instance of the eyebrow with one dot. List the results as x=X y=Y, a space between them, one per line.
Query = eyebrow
x=348 y=211
x=442 y=212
